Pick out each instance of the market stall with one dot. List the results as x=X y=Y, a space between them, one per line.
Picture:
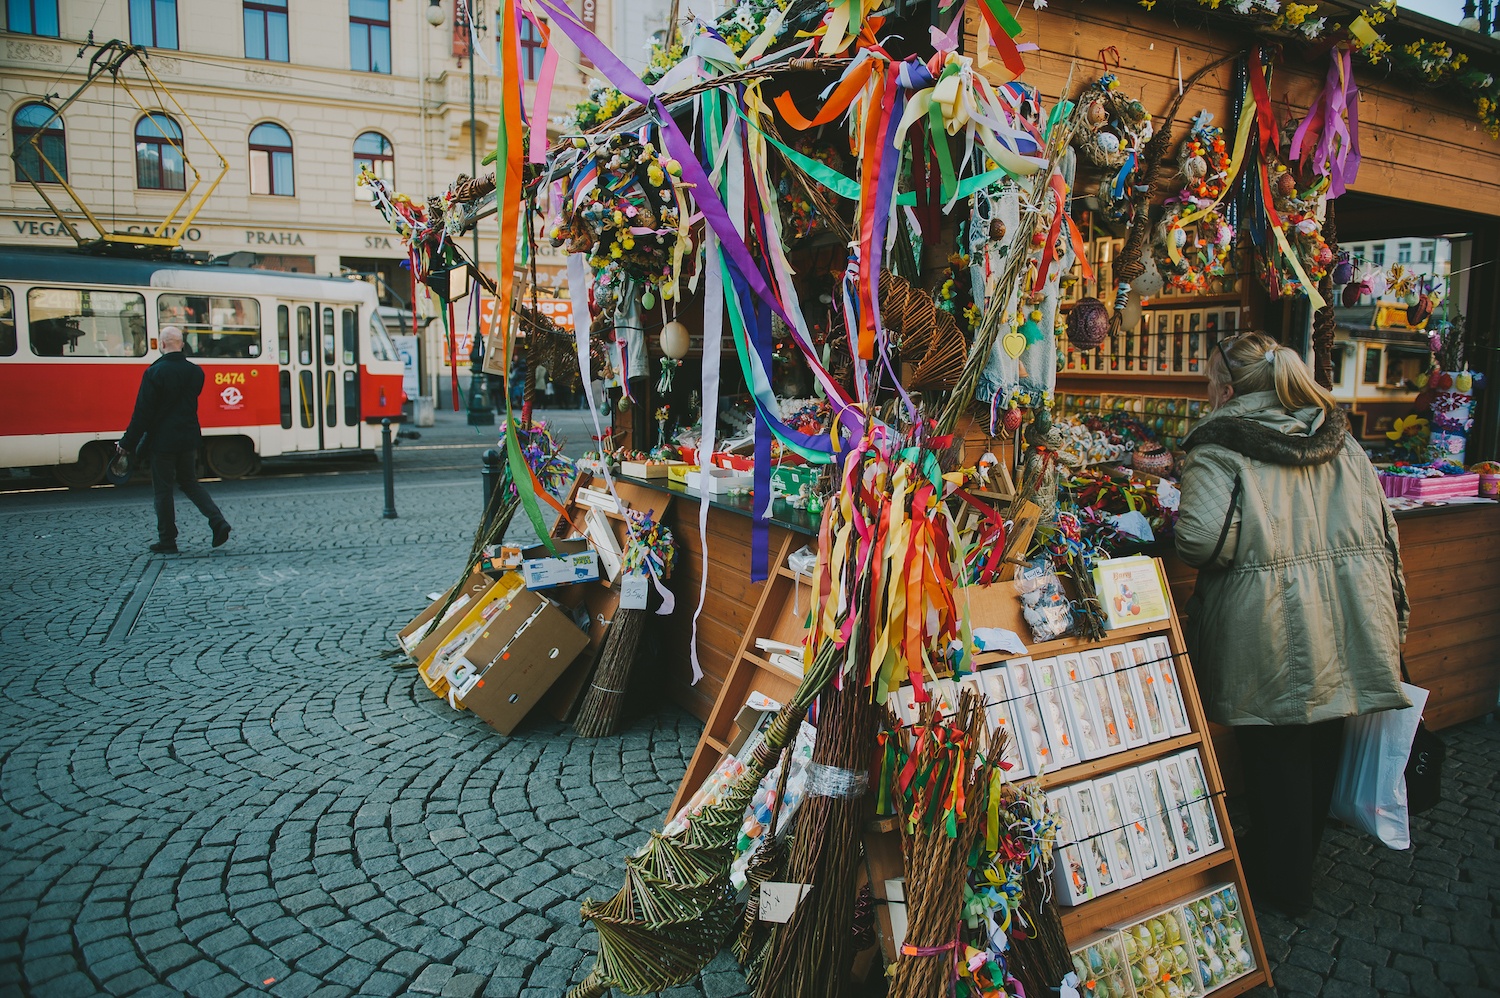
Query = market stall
x=903 y=316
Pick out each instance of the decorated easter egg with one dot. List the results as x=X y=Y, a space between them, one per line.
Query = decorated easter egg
x=1137 y=977
x=1205 y=914
x=1098 y=113
x=1463 y=382
x=1343 y=271
x=1209 y=937
x=1215 y=965
x=1286 y=184
x=1194 y=168
x=1108 y=143
x=1216 y=906
x=1088 y=323
x=1080 y=966
x=997 y=229
x=1151 y=967
x=1142 y=937
x=1149 y=283
x=1180 y=958
x=1205 y=975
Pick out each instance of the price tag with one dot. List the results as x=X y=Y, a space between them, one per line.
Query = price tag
x=634 y=589
x=778 y=900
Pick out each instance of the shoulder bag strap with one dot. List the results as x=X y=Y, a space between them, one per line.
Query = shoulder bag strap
x=1234 y=501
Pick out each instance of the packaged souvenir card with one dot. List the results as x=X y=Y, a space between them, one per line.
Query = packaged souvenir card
x=1164 y=832
x=1070 y=876
x=1028 y=714
x=1049 y=693
x=1132 y=716
x=1000 y=710
x=1115 y=834
x=1105 y=701
x=1200 y=802
x=1081 y=716
x=1169 y=690
x=1143 y=678
x=1060 y=806
x=1137 y=817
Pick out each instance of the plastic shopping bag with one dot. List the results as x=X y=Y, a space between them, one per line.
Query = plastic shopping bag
x=1370 y=792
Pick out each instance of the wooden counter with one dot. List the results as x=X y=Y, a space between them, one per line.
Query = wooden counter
x=1452 y=560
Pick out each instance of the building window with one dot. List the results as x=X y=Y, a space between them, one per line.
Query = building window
x=1377 y=255
x=153 y=23
x=370 y=35
x=1427 y=251
x=1403 y=253
x=66 y=322
x=158 y=154
x=7 y=323
x=265 y=30
x=271 y=160
x=373 y=152
x=32 y=17
x=533 y=50
x=41 y=146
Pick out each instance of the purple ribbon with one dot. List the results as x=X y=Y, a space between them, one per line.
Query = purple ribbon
x=714 y=213
x=1339 y=97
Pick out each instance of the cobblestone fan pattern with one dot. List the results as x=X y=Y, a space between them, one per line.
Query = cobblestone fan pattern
x=211 y=782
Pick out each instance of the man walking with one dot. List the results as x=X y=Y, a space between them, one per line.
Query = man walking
x=165 y=424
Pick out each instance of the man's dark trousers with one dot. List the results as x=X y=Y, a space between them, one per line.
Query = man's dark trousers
x=179 y=470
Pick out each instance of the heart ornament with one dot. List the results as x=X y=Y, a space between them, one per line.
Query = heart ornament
x=1014 y=343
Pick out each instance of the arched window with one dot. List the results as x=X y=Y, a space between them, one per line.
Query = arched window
x=271 y=160
x=158 y=154
x=41 y=146
x=373 y=152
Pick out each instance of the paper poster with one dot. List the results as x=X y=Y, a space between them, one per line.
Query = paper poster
x=1131 y=591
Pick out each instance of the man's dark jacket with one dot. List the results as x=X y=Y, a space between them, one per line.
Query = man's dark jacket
x=166 y=408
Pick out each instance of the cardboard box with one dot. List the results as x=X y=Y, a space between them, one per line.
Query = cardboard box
x=517 y=657
x=500 y=558
x=575 y=561
x=644 y=469
x=412 y=635
x=447 y=648
x=476 y=593
x=720 y=481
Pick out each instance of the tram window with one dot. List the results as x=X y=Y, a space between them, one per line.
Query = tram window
x=284 y=337
x=351 y=337
x=330 y=400
x=66 y=322
x=330 y=348
x=7 y=323
x=285 y=385
x=304 y=337
x=351 y=398
x=213 y=327
x=381 y=347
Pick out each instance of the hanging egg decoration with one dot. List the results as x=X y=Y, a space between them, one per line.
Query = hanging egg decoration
x=1149 y=283
x=1353 y=292
x=1012 y=419
x=648 y=299
x=675 y=340
x=1088 y=323
x=1286 y=184
x=1343 y=271
x=1418 y=313
x=997 y=229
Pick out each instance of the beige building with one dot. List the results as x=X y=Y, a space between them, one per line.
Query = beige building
x=295 y=94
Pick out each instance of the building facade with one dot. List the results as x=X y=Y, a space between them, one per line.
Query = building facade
x=296 y=95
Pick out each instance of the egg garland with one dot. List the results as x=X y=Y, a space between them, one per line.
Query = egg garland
x=1301 y=213
x=1196 y=251
x=1110 y=130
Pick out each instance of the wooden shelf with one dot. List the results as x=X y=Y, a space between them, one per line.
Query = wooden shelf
x=1118 y=906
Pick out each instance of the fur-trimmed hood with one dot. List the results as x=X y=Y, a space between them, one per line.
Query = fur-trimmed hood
x=1259 y=428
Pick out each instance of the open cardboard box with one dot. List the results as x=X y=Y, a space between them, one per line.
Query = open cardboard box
x=517 y=658
x=418 y=638
x=575 y=561
x=428 y=666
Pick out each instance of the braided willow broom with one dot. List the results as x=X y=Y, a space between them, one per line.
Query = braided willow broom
x=600 y=713
x=676 y=906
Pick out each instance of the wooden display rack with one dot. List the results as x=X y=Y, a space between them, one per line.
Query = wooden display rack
x=781 y=615
x=883 y=848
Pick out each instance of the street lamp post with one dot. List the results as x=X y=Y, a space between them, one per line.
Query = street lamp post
x=481 y=411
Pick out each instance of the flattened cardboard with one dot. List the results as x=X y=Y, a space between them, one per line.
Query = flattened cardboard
x=575 y=561
x=519 y=655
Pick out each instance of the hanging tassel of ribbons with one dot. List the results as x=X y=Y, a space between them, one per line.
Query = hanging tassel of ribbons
x=1329 y=134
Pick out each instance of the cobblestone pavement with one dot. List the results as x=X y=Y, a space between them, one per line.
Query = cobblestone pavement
x=212 y=783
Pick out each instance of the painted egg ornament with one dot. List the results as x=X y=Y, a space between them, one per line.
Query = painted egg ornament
x=1324 y=256
x=1215 y=965
x=1463 y=382
x=675 y=340
x=1209 y=936
x=1174 y=931
x=1158 y=931
x=1098 y=114
x=648 y=299
x=1204 y=914
x=1343 y=271
x=1205 y=974
x=1180 y=958
x=1096 y=960
x=1194 y=168
x=997 y=229
x=1151 y=967
x=1088 y=323
x=1137 y=977
x=1108 y=143
x=1013 y=419
x=1080 y=967
x=1142 y=937
x=1352 y=292
x=1216 y=906
x=1286 y=184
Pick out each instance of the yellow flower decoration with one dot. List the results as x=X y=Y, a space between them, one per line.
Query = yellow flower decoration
x=1407 y=426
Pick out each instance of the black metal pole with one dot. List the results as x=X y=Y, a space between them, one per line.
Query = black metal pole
x=388 y=465
x=494 y=470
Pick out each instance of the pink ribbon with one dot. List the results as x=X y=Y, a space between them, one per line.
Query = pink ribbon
x=1336 y=153
x=541 y=102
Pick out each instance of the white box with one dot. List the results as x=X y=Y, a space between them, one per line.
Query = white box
x=1132 y=715
x=1099 y=863
x=1164 y=833
x=1086 y=725
x=1143 y=678
x=1200 y=801
x=1001 y=709
x=1028 y=713
x=1060 y=806
x=720 y=480
x=1115 y=832
x=1174 y=783
x=1070 y=877
x=575 y=561
x=1137 y=815
x=1169 y=689
x=1104 y=701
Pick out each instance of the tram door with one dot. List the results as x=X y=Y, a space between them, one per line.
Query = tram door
x=319 y=375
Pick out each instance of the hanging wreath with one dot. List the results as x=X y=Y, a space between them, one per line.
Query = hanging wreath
x=1301 y=212
x=1195 y=245
x=1110 y=130
x=1203 y=161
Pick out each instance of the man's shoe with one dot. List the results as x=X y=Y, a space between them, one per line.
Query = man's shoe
x=221 y=534
x=164 y=547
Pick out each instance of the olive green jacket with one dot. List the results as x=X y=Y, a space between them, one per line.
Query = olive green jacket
x=1300 y=609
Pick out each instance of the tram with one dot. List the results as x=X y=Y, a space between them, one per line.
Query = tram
x=292 y=363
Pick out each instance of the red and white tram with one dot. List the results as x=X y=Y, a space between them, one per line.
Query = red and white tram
x=292 y=362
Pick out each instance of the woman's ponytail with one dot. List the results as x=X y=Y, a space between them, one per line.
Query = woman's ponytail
x=1256 y=363
x=1295 y=385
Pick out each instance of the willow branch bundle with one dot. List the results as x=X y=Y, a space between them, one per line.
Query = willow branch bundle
x=1041 y=957
x=1147 y=187
x=1324 y=322
x=599 y=714
x=937 y=864
x=810 y=955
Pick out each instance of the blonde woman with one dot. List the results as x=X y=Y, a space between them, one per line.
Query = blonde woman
x=1300 y=609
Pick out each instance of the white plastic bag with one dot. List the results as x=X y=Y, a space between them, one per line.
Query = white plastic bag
x=1370 y=792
